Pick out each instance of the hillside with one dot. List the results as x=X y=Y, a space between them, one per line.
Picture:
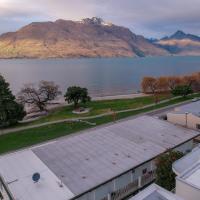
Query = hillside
x=66 y=39
x=180 y=43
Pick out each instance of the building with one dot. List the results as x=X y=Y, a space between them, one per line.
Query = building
x=187 y=161
x=188 y=184
x=187 y=170
x=155 y=192
x=110 y=162
x=188 y=179
x=187 y=115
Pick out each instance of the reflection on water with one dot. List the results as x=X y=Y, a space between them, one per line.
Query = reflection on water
x=100 y=76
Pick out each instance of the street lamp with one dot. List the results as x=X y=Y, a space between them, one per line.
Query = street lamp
x=186 y=118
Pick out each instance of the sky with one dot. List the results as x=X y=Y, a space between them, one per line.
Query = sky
x=151 y=18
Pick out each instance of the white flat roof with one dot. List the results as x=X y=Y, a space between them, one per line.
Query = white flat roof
x=193 y=108
x=17 y=170
x=107 y=152
x=192 y=176
x=187 y=161
x=155 y=192
x=90 y=159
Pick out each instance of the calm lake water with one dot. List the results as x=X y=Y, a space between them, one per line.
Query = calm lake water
x=100 y=76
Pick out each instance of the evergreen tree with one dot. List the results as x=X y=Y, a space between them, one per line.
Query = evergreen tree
x=10 y=111
x=76 y=95
x=165 y=177
x=182 y=90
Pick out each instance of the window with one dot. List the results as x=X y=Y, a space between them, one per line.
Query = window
x=188 y=151
x=144 y=171
x=198 y=126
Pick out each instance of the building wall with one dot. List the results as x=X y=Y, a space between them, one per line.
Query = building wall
x=186 y=191
x=186 y=147
x=193 y=121
x=131 y=176
x=118 y=183
x=180 y=119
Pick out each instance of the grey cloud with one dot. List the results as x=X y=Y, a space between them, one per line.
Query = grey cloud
x=152 y=18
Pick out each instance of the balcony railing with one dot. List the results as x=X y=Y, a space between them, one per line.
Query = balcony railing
x=132 y=187
x=127 y=190
x=4 y=191
x=148 y=178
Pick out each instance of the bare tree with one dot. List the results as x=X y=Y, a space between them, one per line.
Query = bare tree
x=188 y=80
x=162 y=83
x=39 y=96
x=149 y=85
x=196 y=84
x=173 y=81
x=165 y=84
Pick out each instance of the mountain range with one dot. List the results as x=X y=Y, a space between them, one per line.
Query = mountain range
x=90 y=38
x=180 y=43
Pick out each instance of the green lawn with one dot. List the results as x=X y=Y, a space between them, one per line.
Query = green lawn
x=20 y=139
x=98 y=107
x=30 y=137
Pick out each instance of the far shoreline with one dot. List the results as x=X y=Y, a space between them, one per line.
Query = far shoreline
x=85 y=57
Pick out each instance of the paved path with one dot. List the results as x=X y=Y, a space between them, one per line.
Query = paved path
x=115 y=97
x=83 y=119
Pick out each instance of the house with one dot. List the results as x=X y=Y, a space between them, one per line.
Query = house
x=187 y=115
x=110 y=162
x=155 y=192
x=188 y=179
x=187 y=170
x=188 y=184
x=187 y=161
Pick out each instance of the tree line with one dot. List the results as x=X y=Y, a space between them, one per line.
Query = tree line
x=173 y=84
x=39 y=96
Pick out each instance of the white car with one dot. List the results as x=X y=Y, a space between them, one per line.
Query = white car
x=195 y=99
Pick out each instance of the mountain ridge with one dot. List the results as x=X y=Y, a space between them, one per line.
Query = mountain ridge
x=180 y=43
x=182 y=35
x=90 y=37
x=65 y=39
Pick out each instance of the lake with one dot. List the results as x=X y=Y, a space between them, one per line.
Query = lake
x=101 y=76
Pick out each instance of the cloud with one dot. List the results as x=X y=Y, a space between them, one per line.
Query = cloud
x=152 y=18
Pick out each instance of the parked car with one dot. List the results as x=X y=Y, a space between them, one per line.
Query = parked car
x=195 y=99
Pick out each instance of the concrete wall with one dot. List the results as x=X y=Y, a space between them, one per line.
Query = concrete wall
x=186 y=191
x=180 y=119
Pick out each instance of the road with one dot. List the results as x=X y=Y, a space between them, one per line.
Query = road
x=165 y=110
